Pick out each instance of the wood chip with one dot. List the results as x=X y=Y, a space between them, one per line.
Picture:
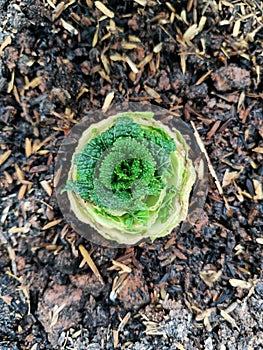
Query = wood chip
x=51 y=224
x=107 y=101
x=100 y=6
x=4 y=156
x=86 y=256
x=239 y=283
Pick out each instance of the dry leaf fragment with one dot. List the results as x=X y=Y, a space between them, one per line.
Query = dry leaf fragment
x=28 y=147
x=21 y=192
x=200 y=80
x=228 y=318
x=141 y=2
x=104 y=76
x=258 y=150
x=124 y=321
x=38 y=145
x=89 y=3
x=86 y=256
x=229 y=177
x=4 y=157
x=202 y=23
x=134 y=38
x=51 y=224
x=239 y=283
x=107 y=101
x=105 y=63
x=122 y=266
x=259 y=240
x=55 y=313
x=258 y=186
x=117 y=57
x=51 y=4
x=158 y=48
x=236 y=28
x=47 y=187
x=210 y=276
x=115 y=338
x=69 y=27
x=152 y=92
x=100 y=6
x=19 y=173
x=170 y=6
x=58 y=10
x=7 y=41
x=128 y=46
x=11 y=82
x=131 y=64
x=96 y=36
x=190 y=33
x=6 y=298
x=179 y=346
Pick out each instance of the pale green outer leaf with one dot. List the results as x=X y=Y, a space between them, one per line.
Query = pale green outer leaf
x=183 y=178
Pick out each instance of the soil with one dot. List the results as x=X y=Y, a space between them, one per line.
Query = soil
x=201 y=60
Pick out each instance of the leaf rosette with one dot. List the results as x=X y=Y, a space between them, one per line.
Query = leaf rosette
x=131 y=178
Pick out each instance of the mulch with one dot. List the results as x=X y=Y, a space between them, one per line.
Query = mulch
x=202 y=61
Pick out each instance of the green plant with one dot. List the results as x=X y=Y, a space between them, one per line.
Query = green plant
x=131 y=178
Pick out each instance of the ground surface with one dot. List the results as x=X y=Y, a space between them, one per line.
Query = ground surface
x=203 y=61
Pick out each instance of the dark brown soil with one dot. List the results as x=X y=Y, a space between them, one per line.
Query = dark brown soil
x=202 y=60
